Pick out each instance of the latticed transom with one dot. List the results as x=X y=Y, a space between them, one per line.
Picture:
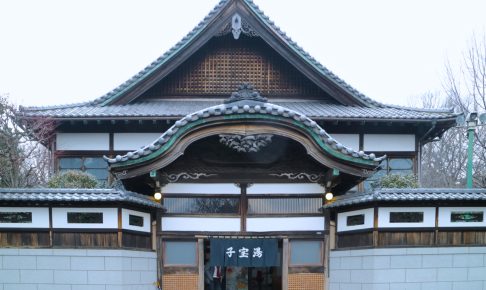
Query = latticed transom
x=224 y=63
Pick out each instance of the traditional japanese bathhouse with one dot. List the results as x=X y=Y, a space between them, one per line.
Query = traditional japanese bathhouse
x=241 y=133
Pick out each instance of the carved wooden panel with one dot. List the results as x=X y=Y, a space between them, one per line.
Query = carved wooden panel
x=306 y=281
x=179 y=281
x=224 y=63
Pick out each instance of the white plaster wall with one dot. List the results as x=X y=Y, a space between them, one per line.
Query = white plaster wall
x=384 y=217
x=82 y=141
x=434 y=268
x=133 y=141
x=125 y=220
x=200 y=224
x=285 y=224
x=348 y=140
x=110 y=218
x=284 y=188
x=389 y=142
x=342 y=218
x=201 y=188
x=40 y=217
x=77 y=269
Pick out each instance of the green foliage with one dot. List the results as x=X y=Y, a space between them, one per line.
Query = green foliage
x=397 y=181
x=73 y=179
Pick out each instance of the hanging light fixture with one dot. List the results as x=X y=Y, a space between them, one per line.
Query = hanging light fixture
x=158 y=195
x=329 y=196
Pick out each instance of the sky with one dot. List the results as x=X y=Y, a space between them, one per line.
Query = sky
x=57 y=52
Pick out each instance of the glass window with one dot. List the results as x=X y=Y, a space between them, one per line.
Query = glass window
x=135 y=220
x=355 y=220
x=199 y=205
x=95 y=166
x=467 y=216
x=305 y=252
x=179 y=253
x=284 y=205
x=15 y=217
x=85 y=217
x=406 y=217
x=400 y=166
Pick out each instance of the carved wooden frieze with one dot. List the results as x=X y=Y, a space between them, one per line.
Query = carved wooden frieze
x=312 y=177
x=246 y=143
x=174 y=177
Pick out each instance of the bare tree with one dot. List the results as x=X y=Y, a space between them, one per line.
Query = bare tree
x=444 y=162
x=24 y=159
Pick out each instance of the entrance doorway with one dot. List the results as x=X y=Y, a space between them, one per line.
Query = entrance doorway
x=242 y=278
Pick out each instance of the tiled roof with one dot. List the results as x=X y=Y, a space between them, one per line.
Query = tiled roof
x=91 y=108
x=413 y=195
x=75 y=195
x=176 y=109
x=245 y=102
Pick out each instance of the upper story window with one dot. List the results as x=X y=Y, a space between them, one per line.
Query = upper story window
x=391 y=165
x=202 y=205
x=95 y=166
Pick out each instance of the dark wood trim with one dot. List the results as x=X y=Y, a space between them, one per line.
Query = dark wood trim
x=33 y=230
x=462 y=229
x=51 y=238
x=84 y=230
x=243 y=206
x=140 y=233
x=425 y=229
x=368 y=230
x=120 y=226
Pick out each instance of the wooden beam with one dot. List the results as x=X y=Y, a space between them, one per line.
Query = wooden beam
x=285 y=264
x=200 y=251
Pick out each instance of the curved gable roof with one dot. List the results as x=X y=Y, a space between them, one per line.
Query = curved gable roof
x=245 y=106
x=213 y=24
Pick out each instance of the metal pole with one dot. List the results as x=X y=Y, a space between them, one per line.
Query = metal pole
x=470 y=132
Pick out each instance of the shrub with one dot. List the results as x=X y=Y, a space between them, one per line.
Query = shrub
x=397 y=181
x=73 y=179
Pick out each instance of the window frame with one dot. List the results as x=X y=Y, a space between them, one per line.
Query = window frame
x=321 y=253
x=164 y=255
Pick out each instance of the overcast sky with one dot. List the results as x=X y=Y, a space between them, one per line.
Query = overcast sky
x=59 y=51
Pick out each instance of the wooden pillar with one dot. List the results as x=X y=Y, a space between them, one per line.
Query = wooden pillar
x=51 y=242
x=244 y=206
x=285 y=264
x=332 y=235
x=200 y=252
x=120 y=242
x=436 y=230
x=375 y=227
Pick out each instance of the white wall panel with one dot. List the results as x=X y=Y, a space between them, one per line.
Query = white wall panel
x=285 y=224
x=82 y=141
x=201 y=188
x=125 y=220
x=348 y=140
x=110 y=218
x=286 y=188
x=40 y=217
x=368 y=220
x=133 y=141
x=384 y=217
x=445 y=217
x=389 y=142
x=199 y=224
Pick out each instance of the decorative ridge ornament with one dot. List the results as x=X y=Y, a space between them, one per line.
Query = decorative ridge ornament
x=245 y=143
x=236 y=26
x=246 y=92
